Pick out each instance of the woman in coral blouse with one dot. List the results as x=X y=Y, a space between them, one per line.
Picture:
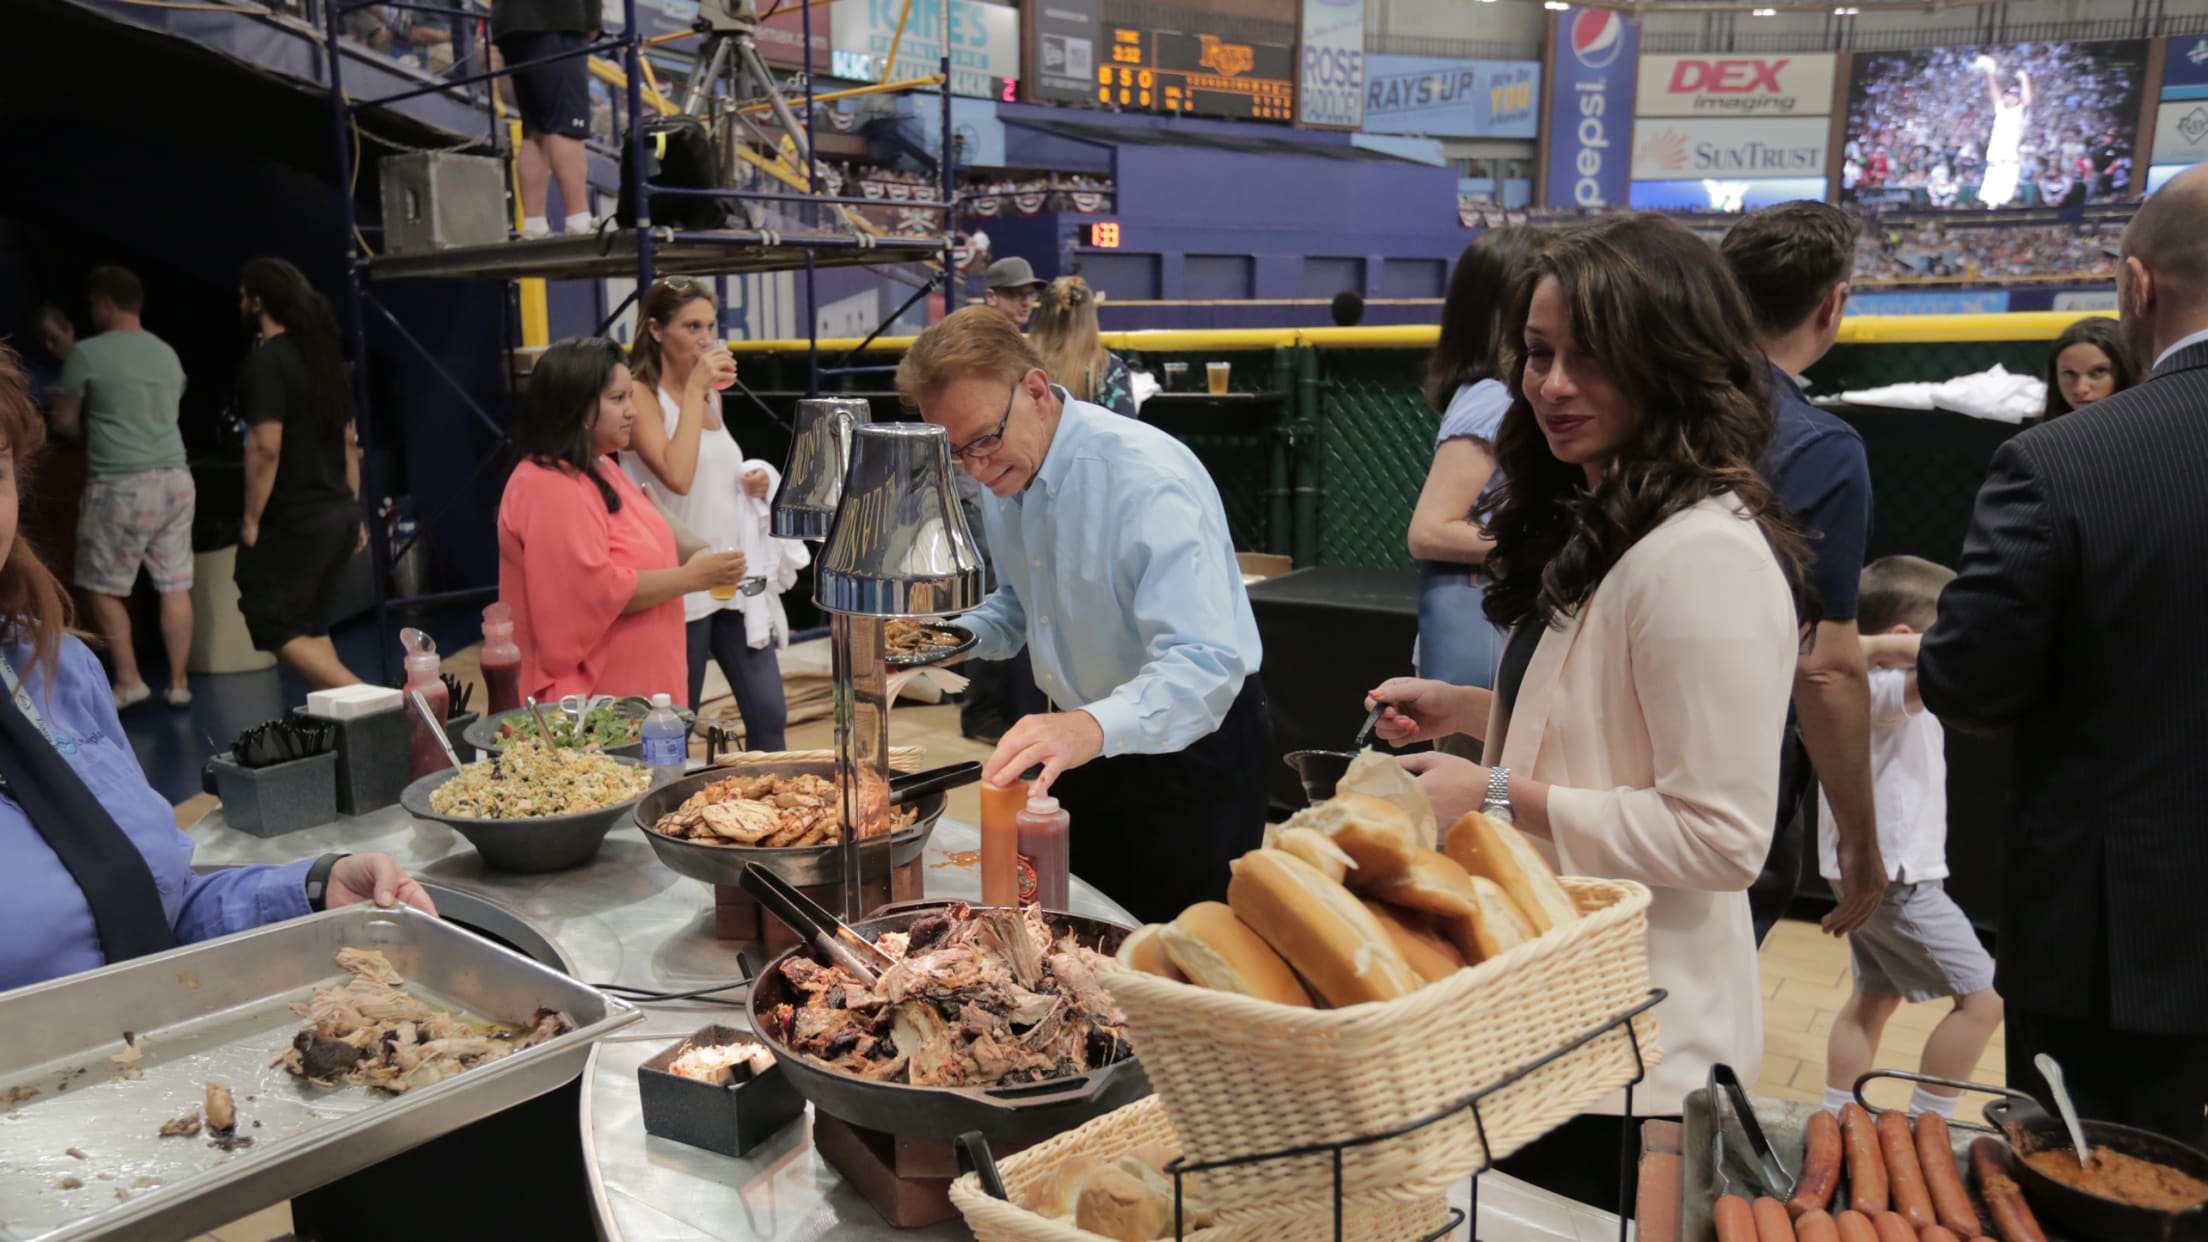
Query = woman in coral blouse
x=585 y=560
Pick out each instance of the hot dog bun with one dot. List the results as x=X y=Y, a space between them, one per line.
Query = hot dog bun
x=1145 y=951
x=1434 y=883
x=1331 y=940
x=1432 y=956
x=1494 y=927
x=1486 y=846
x=1376 y=835
x=1318 y=849
x=1217 y=950
x=1378 y=774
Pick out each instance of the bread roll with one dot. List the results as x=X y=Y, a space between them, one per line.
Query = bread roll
x=1057 y=1195
x=1433 y=957
x=1331 y=940
x=1495 y=926
x=1214 y=949
x=1116 y=1203
x=1377 y=774
x=1316 y=848
x=1487 y=846
x=1433 y=883
x=1145 y=951
x=1376 y=835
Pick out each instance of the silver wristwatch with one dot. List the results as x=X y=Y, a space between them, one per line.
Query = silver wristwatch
x=1498 y=796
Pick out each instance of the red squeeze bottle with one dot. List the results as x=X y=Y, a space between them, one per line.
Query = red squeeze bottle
x=501 y=660
x=1000 y=842
x=1044 y=863
x=421 y=674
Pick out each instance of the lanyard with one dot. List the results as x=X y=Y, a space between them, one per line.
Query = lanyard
x=22 y=696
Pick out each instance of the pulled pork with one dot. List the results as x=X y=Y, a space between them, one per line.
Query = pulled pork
x=976 y=998
x=371 y=1033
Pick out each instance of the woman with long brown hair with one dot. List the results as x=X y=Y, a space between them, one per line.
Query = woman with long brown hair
x=1650 y=587
x=683 y=447
x=92 y=867
x=1066 y=335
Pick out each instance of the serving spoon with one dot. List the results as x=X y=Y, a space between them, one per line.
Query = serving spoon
x=2064 y=1105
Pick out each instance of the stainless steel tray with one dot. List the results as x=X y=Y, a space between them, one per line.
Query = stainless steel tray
x=221 y=1010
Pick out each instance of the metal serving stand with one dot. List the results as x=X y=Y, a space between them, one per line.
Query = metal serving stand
x=976 y=1149
x=881 y=498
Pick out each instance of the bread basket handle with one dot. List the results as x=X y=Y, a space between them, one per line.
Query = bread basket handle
x=984 y=1164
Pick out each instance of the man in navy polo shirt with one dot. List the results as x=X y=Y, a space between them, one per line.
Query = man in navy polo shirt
x=1793 y=262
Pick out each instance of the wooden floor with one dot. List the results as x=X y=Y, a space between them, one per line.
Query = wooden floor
x=1805 y=973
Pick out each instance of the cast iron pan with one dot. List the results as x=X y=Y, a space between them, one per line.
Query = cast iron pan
x=947 y=1112
x=2074 y=1212
x=805 y=865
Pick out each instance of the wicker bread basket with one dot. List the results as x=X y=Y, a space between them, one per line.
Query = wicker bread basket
x=1241 y=1077
x=1144 y=1121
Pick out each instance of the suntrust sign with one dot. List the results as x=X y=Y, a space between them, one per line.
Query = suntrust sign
x=1675 y=149
x=1592 y=54
x=1709 y=85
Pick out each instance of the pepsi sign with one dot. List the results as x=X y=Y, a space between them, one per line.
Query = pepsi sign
x=1592 y=55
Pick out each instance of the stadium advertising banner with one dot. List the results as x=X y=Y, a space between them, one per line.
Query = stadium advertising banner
x=1591 y=57
x=985 y=42
x=1440 y=98
x=2015 y=125
x=2185 y=69
x=1722 y=194
x=1735 y=86
x=1063 y=60
x=1975 y=302
x=1675 y=148
x=2181 y=132
x=1331 y=90
x=2181 y=123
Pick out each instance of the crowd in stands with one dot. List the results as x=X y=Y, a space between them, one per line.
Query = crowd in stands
x=1923 y=123
x=1932 y=248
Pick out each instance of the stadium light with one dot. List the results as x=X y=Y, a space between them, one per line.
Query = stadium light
x=1764 y=13
x=1846 y=11
x=1555 y=6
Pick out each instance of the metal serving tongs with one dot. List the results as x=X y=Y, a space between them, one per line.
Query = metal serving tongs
x=1728 y=1096
x=826 y=934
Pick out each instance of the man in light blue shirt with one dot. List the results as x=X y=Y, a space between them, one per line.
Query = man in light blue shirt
x=1115 y=570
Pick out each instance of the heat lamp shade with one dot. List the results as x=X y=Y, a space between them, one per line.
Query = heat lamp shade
x=900 y=546
x=812 y=477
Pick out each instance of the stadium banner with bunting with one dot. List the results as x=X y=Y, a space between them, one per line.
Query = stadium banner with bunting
x=1736 y=86
x=985 y=42
x=1330 y=90
x=1587 y=119
x=1683 y=148
x=1442 y=98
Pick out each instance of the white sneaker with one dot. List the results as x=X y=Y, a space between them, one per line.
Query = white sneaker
x=178 y=699
x=127 y=697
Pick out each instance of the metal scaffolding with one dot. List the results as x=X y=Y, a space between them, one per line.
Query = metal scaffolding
x=646 y=250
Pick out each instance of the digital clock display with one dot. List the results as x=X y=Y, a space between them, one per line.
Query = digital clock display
x=1197 y=74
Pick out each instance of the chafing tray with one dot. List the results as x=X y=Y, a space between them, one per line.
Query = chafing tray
x=221 y=1010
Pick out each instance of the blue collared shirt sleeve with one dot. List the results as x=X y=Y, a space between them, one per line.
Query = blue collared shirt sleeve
x=1187 y=621
x=241 y=899
x=999 y=626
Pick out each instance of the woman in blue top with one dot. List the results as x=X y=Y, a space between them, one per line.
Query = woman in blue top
x=1456 y=643
x=92 y=867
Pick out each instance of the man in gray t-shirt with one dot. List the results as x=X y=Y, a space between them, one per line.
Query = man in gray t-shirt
x=120 y=392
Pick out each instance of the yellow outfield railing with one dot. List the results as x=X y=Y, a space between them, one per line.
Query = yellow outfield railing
x=1854 y=330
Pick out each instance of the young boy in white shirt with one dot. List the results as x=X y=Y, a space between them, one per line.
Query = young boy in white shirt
x=1918 y=946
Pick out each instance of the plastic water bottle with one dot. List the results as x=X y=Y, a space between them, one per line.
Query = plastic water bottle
x=666 y=741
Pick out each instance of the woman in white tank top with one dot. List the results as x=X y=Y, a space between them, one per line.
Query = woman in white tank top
x=689 y=460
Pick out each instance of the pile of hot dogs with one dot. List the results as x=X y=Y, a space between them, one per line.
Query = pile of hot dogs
x=1903 y=1186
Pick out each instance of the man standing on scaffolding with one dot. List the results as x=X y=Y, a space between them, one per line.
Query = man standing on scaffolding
x=554 y=102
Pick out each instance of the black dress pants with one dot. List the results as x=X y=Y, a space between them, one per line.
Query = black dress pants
x=2154 y=1082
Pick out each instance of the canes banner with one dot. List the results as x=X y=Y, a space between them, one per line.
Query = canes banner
x=1592 y=55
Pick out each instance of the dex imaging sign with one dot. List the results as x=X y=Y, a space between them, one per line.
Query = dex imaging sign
x=1734 y=86
x=1592 y=57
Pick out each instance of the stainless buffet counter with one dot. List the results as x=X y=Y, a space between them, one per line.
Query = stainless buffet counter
x=625 y=918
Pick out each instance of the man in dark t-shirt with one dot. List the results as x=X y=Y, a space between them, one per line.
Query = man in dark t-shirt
x=302 y=473
x=1793 y=262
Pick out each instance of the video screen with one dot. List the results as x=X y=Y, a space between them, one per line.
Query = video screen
x=2015 y=125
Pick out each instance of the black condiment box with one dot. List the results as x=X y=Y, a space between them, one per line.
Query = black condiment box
x=730 y=1120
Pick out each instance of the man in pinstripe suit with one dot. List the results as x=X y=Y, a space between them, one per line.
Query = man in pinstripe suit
x=2077 y=619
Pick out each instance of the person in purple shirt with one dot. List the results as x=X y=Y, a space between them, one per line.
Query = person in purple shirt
x=92 y=866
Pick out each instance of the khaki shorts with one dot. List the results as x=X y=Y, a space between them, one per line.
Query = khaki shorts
x=138 y=519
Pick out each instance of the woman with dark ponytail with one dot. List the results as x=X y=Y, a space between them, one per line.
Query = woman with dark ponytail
x=586 y=562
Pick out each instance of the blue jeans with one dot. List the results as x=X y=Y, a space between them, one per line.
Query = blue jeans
x=754 y=673
x=1456 y=643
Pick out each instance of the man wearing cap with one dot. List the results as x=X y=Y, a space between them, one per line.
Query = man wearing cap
x=1011 y=289
x=1116 y=572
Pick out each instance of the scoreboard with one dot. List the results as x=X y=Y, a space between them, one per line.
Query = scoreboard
x=1170 y=71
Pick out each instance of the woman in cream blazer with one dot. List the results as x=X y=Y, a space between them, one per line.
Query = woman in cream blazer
x=1650 y=589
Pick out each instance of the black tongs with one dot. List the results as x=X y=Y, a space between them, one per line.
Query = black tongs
x=1725 y=1087
x=911 y=785
x=829 y=937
